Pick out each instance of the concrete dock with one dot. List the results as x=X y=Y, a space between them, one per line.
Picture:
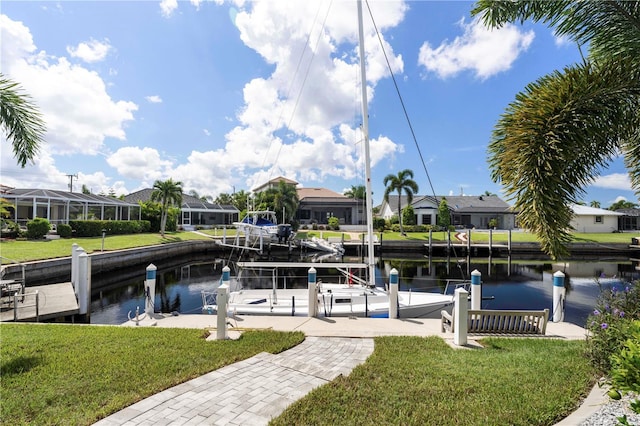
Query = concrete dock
x=53 y=301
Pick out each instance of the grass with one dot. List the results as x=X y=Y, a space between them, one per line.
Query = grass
x=71 y=374
x=76 y=375
x=23 y=251
x=422 y=381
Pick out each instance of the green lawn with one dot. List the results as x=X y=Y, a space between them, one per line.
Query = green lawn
x=75 y=375
x=72 y=374
x=22 y=251
x=423 y=381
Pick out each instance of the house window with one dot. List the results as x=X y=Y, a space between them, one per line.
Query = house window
x=426 y=219
x=598 y=219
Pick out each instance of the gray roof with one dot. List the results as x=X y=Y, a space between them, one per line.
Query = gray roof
x=189 y=202
x=52 y=194
x=457 y=203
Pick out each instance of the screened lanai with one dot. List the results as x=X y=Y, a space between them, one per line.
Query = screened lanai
x=61 y=206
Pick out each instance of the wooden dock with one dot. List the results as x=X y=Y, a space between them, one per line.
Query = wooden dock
x=53 y=301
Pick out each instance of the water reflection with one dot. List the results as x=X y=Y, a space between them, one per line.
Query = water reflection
x=506 y=284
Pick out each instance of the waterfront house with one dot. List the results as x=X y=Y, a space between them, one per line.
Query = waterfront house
x=194 y=211
x=318 y=205
x=467 y=211
x=591 y=219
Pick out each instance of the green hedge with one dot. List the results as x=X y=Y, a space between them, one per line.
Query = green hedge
x=93 y=228
x=64 y=230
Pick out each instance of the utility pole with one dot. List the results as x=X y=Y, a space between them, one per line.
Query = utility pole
x=71 y=181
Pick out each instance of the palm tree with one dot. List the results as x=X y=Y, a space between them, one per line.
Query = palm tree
x=358 y=192
x=558 y=134
x=21 y=121
x=622 y=204
x=403 y=182
x=168 y=193
x=284 y=196
x=595 y=204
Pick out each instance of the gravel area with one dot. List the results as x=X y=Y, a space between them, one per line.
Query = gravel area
x=608 y=414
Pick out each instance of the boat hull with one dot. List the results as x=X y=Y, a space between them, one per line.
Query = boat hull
x=340 y=300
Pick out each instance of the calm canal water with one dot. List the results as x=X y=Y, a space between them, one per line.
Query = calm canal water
x=506 y=284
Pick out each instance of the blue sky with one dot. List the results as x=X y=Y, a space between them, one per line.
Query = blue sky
x=223 y=96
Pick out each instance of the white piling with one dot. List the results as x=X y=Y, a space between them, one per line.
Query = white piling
x=84 y=283
x=150 y=290
x=222 y=300
x=313 y=293
x=74 y=266
x=476 y=289
x=393 y=293
x=460 y=316
x=558 y=297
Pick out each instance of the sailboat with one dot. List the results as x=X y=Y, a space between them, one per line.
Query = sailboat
x=348 y=296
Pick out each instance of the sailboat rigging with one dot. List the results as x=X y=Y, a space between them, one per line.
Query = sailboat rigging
x=349 y=296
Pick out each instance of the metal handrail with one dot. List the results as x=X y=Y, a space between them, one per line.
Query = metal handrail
x=22 y=304
x=23 y=280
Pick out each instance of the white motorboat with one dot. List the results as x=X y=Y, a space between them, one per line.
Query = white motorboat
x=258 y=224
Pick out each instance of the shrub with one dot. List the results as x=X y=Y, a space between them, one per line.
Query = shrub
x=37 y=228
x=334 y=223
x=64 y=230
x=93 y=228
x=379 y=224
x=10 y=229
x=625 y=368
x=609 y=324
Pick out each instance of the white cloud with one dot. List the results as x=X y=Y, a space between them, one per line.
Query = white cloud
x=614 y=181
x=91 y=51
x=167 y=7
x=484 y=51
x=563 y=41
x=154 y=99
x=78 y=111
x=99 y=183
x=143 y=164
x=41 y=174
x=290 y=123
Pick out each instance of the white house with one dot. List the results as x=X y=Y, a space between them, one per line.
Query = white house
x=591 y=219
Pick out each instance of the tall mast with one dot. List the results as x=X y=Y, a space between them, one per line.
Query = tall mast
x=367 y=160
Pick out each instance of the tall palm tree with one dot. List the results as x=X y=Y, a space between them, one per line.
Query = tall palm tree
x=168 y=193
x=558 y=134
x=402 y=182
x=21 y=121
x=595 y=204
x=284 y=196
